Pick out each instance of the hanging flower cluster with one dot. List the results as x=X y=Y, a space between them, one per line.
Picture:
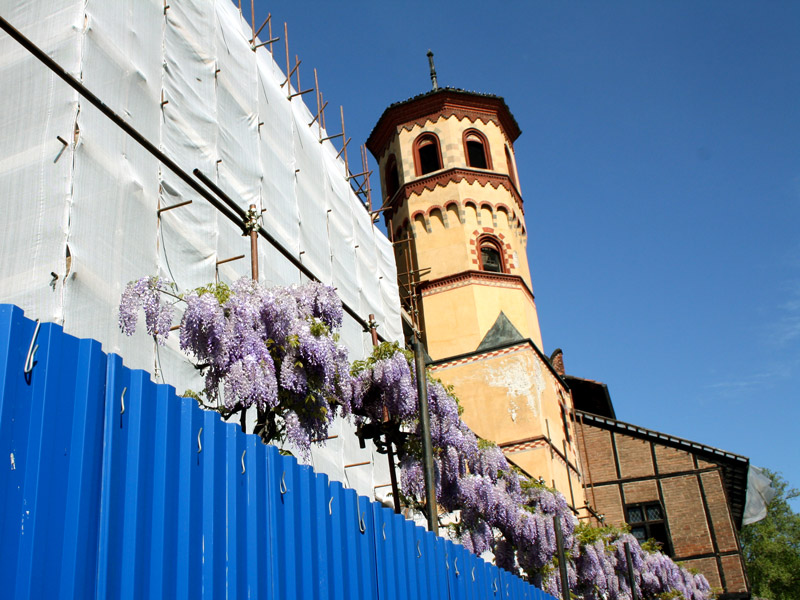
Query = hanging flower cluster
x=601 y=569
x=269 y=348
x=501 y=510
x=275 y=349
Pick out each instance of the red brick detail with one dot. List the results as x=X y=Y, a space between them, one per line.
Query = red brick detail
x=634 y=457
x=479 y=357
x=432 y=206
x=686 y=516
x=473 y=251
x=474 y=261
x=600 y=463
x=488 y=229
x=706 y=566
x=443 y=284
x=526 y=446
x=718 y=509
x=671 y=460
x=641 y=491
x=608 y=502
x=734 y=576
x=439 y=104
x=447 y=176
x=501 y=236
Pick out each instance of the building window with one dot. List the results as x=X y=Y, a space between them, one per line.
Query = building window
x=427 y=156
x=648 y=521
x=392 y=177
x=491 y=255
x=476 y=149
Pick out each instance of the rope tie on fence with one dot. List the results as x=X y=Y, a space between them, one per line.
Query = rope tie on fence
x=243 y=468
x=283 y=488
x=199 y=443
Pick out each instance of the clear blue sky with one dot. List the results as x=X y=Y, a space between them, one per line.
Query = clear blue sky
x=660 y=169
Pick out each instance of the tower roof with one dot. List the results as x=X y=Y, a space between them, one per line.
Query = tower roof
x=445 y=101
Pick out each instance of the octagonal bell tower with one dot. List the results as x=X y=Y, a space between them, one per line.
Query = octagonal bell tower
x=453 y=207
x=454 y=211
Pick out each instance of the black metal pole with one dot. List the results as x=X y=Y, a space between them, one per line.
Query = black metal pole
x=634 y=594
x=562 y=558
x=427 y=446
x=389 y=450
x=229 y=208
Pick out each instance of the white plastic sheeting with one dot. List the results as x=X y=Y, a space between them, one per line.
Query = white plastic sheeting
x=35 y=167
x=759 y=494
x=187 y=79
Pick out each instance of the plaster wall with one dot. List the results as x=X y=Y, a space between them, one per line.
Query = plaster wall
x=511 y=398
x=456 y=319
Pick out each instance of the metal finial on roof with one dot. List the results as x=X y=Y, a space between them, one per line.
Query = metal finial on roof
x=434 y=83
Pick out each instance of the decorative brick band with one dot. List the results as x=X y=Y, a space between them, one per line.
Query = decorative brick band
x=444 y=102
x=526 y=446
x=479 y=357
x=456 y=175
x=535 y=444
x=451 y=282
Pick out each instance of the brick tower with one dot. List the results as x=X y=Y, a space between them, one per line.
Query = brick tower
x=454 y=209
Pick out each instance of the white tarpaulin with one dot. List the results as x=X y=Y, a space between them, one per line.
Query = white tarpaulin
x=187 y=79
x=759 y=494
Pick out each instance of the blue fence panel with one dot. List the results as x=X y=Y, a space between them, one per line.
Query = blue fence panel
x=82 y=500
x=15 y=399
x=260 y=571
x=322 y=541
x=188 y=563
x=404 y=555
x=166 y=459
x=385 y=552
x=235 y=503
x=117 y=488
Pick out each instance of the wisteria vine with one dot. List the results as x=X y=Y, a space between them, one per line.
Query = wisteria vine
x=502 y=511
x=275 y=349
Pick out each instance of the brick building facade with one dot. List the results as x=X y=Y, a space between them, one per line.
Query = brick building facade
x=687 y=496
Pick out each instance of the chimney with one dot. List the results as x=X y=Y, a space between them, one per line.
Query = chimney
x=557 y=360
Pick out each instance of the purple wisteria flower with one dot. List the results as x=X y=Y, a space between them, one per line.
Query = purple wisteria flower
x=145 y=294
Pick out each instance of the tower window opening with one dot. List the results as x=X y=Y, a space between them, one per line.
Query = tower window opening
x=477 y=150
x=491 y=256
x=428 y=157
x=392 y=177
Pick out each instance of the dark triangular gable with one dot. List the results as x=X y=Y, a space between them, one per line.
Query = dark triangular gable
x=501 y=333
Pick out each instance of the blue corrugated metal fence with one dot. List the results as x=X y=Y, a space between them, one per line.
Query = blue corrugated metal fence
x=117 y=488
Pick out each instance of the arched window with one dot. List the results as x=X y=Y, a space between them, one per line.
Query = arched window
x=491 y=255
x=476 y=149
x=427 y=156
x=511 y=172
x=391 y=177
